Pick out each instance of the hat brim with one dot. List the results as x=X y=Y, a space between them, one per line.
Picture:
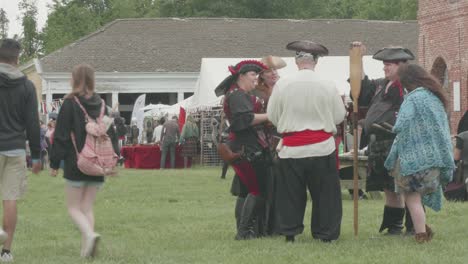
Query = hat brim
x=222 y=88
x=393 y=54
x=273 y=62
x=308 y=46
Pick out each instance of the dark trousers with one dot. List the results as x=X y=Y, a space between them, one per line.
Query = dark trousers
x=165 y=147
x=320 y=176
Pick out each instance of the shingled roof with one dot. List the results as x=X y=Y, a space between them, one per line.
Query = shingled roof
x=178 y=45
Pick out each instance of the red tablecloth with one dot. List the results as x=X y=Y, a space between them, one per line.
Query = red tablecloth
x=149 y=157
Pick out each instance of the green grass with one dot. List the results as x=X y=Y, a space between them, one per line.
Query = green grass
x=187 y=216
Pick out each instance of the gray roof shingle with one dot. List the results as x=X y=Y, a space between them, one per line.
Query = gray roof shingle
x=178 y=45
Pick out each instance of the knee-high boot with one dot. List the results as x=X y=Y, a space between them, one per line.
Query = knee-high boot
x=247 y=220
x=261 y=220
x=238 y=210
x=392 y=220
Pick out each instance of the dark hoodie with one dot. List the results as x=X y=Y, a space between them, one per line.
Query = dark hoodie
x=18 y=112
x=72 y=119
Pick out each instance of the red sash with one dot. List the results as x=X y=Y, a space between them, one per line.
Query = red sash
x=305 y=137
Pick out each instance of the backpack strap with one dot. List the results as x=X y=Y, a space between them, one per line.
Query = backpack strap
x=82 y=108
x=103 y=109
x=73 y=139
x=101 y=115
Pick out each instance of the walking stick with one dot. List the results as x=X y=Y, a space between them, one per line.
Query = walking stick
x=355 y=76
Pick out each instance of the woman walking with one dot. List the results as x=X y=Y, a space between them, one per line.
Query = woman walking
x=80 y=189
x=421 y=159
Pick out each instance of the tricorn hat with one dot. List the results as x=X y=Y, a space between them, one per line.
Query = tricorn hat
x=273 y=62
x=308 y=47
x=239 y=68
x=393 y=54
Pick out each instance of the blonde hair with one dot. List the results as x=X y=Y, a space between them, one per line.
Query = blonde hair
x=82 y=80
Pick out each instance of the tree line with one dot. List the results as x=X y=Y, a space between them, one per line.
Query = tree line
x=70 y=20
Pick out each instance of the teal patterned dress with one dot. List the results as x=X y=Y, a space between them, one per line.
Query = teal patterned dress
x=423 y=142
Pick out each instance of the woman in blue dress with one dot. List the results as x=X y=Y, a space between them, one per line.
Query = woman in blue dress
x=421 y=159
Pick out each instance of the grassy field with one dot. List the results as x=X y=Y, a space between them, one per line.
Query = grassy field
x=187 y=216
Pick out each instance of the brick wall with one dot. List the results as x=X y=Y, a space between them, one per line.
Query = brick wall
x=443 y=36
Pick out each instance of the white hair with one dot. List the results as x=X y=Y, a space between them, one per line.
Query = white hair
x=307 y=59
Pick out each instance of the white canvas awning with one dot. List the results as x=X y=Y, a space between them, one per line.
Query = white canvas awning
x=336 y=68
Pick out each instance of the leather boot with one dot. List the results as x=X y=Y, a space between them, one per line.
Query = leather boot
x=247 y=220
x=424 y=237
x=260 y=222
x=392 y=220
x=238 y=210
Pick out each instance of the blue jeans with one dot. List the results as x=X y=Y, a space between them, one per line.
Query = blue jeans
x=165 y=147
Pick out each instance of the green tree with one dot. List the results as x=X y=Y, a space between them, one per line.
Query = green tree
x=30 y=38
x=72 y=19
x=68 y=22
x=3 y=23
x=176 y=8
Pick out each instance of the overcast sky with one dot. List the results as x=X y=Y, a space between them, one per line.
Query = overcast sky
x=11 y=8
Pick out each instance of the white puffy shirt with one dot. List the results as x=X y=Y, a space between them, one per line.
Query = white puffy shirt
x=304 y=101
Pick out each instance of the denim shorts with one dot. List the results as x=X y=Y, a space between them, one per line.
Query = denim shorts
x=80 y=184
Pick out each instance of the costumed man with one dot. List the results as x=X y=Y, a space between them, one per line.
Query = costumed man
x=383 y=97
x=267 y=79
x=305 y=109
x=243 y=111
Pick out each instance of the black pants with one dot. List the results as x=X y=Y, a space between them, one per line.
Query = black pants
x=320 y=176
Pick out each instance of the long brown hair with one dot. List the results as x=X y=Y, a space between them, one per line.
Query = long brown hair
x=82 y=80
x=413 y=76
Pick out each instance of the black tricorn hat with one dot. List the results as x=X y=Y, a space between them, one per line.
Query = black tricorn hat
x=241 y=67
x=393 y=54
x=308 y=46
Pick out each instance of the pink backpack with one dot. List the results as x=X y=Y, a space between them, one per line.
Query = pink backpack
x=97 y=158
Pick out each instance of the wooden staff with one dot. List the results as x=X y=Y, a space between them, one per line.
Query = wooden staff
x=355 y=70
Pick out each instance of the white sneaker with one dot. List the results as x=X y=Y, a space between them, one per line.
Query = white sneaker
x=6 y=257
x=3 y=236
x=90 y=245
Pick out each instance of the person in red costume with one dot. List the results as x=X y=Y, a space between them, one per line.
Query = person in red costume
x=242 y=111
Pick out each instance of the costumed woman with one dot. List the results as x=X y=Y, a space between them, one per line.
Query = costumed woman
x=421 y=159
x=241 y=109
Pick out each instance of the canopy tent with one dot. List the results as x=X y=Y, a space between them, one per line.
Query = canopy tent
x=214 y=70
x=169 y=110
x=154 y=107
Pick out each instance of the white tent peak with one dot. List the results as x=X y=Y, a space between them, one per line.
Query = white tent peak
x=214 y=70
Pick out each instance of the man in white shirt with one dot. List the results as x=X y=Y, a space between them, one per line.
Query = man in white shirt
x=157 y=131
x=306 y=109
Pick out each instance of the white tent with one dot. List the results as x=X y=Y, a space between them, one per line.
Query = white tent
x=155 y=107
x=214 y=70
x=162 y=109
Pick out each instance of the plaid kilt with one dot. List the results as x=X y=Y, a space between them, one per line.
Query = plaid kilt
x=190 y=147
x=378 y=177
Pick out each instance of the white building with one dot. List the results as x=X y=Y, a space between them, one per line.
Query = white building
x=162 y=57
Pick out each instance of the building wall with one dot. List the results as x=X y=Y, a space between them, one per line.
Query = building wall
x=443 y=36
x=34 y=77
